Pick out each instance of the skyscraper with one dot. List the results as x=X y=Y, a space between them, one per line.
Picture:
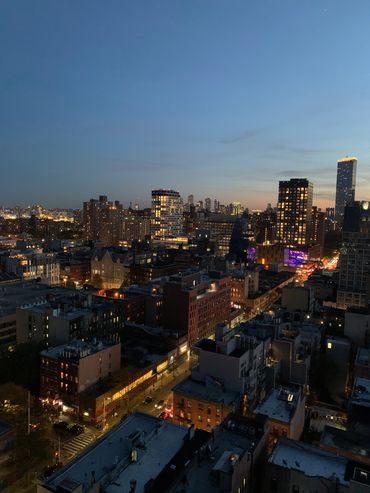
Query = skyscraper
x=354 y=270
x=207 y=204
x=103 y=221
x=346 y=184
x=167 y=214
x=294 y=216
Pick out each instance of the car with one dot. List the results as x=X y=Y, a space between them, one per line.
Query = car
x=61 y=426
x=160 y=404
x=162 y=415
x=76 y=429
x=148 y=399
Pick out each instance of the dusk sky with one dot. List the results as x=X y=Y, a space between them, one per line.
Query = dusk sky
x=219 y=98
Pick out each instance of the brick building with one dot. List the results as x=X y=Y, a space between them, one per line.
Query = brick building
x=195 y=304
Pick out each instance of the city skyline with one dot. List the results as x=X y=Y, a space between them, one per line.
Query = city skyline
x=190 y=96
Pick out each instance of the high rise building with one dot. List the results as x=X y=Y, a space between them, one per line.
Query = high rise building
x=207 y=204
x=103 y=221
x=346 y=184
x=191 y=199
x=167 y=214
x=294 y=216
x=136 y=225
x=318 y=227
x=354 y=270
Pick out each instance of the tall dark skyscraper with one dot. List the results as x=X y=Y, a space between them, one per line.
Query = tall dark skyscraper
x=294 y=216
x=346 y=184
x=354 y=271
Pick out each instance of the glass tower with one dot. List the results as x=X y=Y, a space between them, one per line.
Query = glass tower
x=346 y=184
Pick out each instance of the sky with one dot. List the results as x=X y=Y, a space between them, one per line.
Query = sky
x=218 y=98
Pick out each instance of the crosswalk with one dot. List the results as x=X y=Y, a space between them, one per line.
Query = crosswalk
x=77 y=444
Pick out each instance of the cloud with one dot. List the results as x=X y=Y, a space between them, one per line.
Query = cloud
x=243 y=136
x=297 y=150
x=304 y=172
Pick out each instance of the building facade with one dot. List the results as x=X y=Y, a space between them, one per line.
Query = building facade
x=68 y=370
x=103 y=221
x=346 y=186
x=194 y=304
x=294 y=215
x=167 y=214
x=354 y=263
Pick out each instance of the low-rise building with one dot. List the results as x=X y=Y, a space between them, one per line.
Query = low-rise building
x=357 y=326
x=362 y=363
x=14 y=294
x=203 y=404
x=42 y=266
x=346 y=443
x=69 y=369
x=359 y=405
x=297 y=467
x=336 y=367
x=229 y=463
x=285 y=412
x=297 y=298
x=142 y=454
x=293 y=355
x=243 y=284
x=60 y=319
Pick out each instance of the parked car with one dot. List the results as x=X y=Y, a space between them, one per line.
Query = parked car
x=76 y=429
x=148 y=399
x=160 y=404
x=61 y=426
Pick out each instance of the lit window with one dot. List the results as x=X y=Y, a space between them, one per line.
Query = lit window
x=329 y=345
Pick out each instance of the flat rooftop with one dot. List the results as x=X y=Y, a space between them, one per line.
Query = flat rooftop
x=361 y=392
x=210 y=392
x=235 y=439
x=363 y=357
x=77 y=349
x=348 y=441
x=110 y=460
x=18 y=294
x=279 y=405
x=310 y=460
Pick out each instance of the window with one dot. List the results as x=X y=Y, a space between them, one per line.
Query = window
x=200 y=419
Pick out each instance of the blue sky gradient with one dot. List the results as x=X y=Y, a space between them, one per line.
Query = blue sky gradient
x=218 y=98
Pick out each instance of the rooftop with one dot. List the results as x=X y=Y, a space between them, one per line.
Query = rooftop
x=345 y=440
x=138 y=449
x=236 y=438
x=77 y=350
x=310 y=460
x=363 y=357
x=361 y=392
x=211 y=391
x=20 y=294
x=279 y=405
